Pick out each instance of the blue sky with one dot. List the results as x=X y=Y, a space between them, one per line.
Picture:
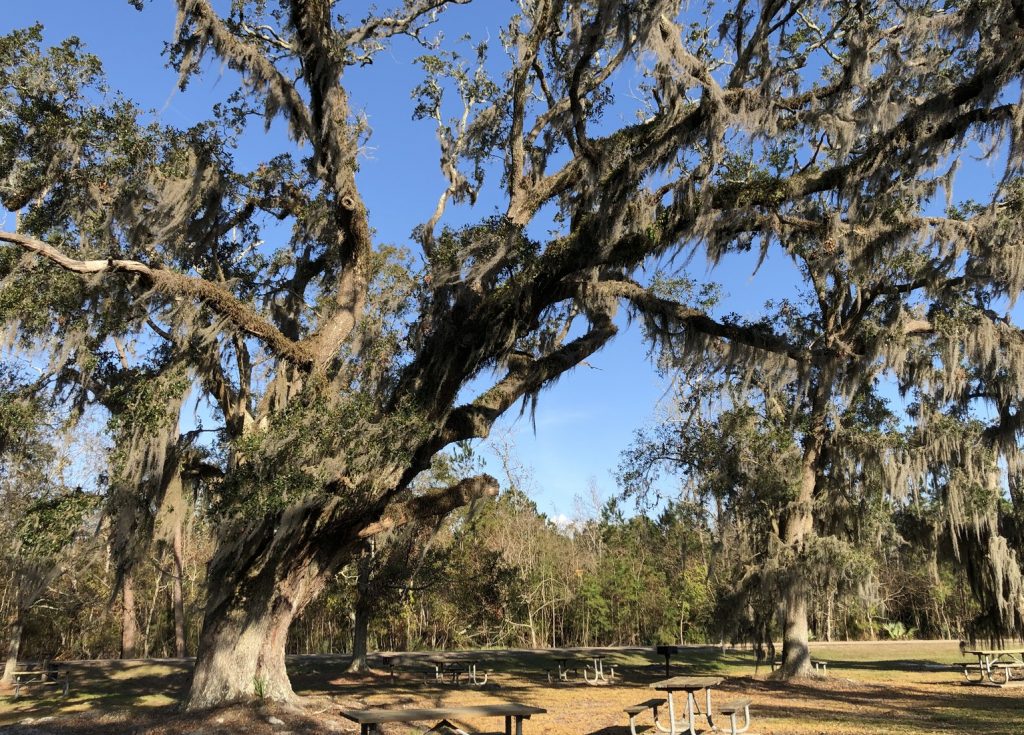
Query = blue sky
x=590 y=415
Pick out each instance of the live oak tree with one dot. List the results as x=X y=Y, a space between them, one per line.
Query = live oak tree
x=796 y=430
x=339 y=368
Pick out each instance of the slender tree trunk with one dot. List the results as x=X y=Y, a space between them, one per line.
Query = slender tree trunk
x=360 y=633
x=16 y=626
x=177 y=598
x=798 y=526
x=830 y=604
x=796 y=653
x=129 y=619
x=363 y=608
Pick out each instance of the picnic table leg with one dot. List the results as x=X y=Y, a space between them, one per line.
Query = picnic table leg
x=981 y=674
x=657 y=726
x=707 y=704
x=508 y=724
x=519 y=725
x=671 y=715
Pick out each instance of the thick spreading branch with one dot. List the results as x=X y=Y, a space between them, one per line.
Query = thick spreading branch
x=432 y=504
x=239 y=314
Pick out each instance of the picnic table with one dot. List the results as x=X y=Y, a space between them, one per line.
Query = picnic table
x=594 y=662
x=688 y=684
x=455 y=668
x=563 y=668
x=997 y=665
x=368 y=719
x=444 y=667
x=46 y=673
x=598 y=666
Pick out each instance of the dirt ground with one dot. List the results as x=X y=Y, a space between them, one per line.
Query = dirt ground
x=904 y=688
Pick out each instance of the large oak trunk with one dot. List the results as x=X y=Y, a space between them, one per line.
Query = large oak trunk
x=241 y=652
x=264 y=574
x=262 y=578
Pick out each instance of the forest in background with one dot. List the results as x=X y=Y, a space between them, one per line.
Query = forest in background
x=497 y=574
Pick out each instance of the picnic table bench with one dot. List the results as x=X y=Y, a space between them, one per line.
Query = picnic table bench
x=368 y=719
x=637 y=709
x=44 y=674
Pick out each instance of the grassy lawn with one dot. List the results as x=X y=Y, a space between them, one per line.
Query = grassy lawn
x=892 y=687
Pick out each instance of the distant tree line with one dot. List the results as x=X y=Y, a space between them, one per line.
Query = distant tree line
x=500 y=574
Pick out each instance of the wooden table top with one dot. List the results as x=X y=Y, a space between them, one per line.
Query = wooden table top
x=689 y=683
x=377 y=716
x=995 y=651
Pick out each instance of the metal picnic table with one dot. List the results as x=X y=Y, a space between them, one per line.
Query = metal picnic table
x=688 y=684
x=598 y=667
x=456 y=667
x=597 y=664
x=997 y=665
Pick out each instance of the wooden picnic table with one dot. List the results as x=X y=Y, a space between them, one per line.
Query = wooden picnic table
x=997 y=665
x=368 y=719
x=688 y=684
